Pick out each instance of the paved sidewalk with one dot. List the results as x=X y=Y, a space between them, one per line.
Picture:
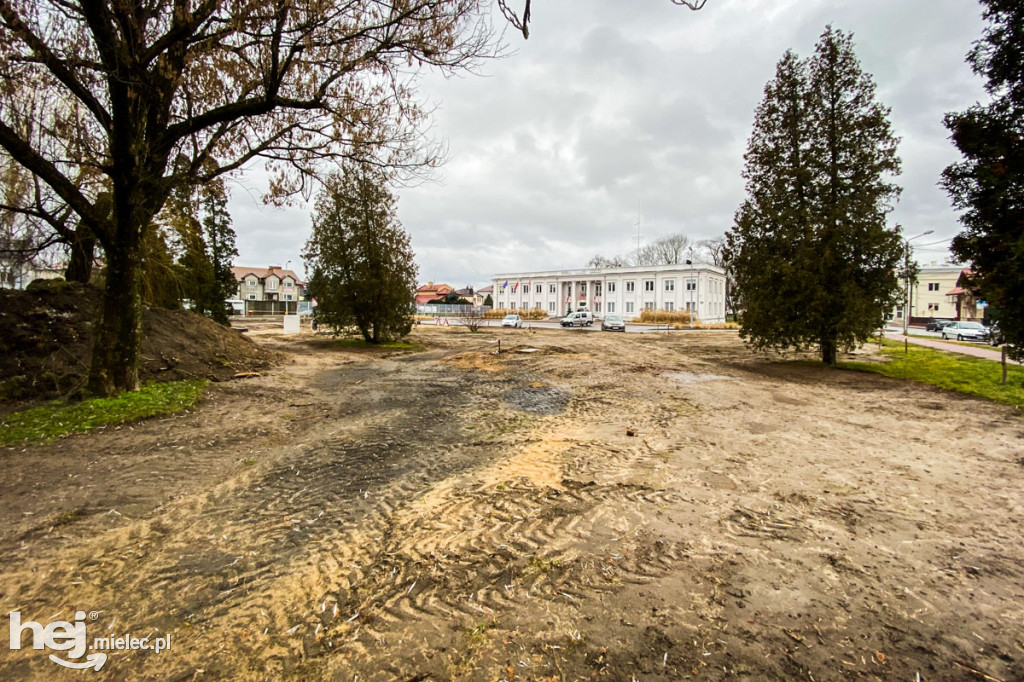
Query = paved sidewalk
x=979 y=351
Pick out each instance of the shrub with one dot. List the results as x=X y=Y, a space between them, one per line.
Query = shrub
x=531 y=314
x=665 y=317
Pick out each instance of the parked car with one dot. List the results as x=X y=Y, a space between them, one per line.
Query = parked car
x=613 y=323
x=934 y=325
x=512 y=321
x=580 y=318
x=970 y=331
x=995 y=335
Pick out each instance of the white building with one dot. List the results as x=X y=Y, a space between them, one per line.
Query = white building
x=620 y=291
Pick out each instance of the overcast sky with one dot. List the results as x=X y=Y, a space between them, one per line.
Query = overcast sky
x=618 y=106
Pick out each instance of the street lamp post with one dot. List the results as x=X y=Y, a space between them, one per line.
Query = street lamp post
x=908 y=296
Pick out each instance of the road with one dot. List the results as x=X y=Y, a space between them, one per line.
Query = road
x=934 y=340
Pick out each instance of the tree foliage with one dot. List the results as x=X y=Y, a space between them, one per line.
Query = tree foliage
x=672 y=249
x=152 y=94
x=812 y=257
x=363 y=272
x=988 y=185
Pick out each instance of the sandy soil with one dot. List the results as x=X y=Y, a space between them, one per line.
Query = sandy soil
x=649 y=507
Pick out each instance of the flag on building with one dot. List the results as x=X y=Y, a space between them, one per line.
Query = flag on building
x=505 y=285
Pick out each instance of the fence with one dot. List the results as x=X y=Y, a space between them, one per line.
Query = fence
x=256 y=308
x=452 y=310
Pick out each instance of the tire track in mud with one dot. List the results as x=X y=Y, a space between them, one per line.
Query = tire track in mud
x=379 y=527
x=520 y=531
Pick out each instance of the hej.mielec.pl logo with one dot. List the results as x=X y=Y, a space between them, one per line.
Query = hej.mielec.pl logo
x=61 y=635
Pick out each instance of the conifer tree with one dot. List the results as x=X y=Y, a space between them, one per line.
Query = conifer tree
x=988 y=185
x=220 y=249
x=363 y=272
x=814 y=261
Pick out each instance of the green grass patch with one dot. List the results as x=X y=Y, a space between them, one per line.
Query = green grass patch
x=948 y=370
x=46 y=423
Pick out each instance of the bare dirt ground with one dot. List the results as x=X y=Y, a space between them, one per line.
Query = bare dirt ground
x=649 y=507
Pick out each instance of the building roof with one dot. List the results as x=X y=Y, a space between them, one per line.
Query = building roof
x=597 y=272
x=242 y=271
x=431 y=287
x=483 y=291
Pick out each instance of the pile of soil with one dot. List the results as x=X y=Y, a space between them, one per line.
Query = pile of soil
x=46 y=343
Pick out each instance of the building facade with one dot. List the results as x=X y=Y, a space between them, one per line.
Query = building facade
x=624 y=291
x=268 y=284
x=933 y=295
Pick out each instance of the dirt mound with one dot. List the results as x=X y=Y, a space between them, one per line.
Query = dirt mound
x=46 y=343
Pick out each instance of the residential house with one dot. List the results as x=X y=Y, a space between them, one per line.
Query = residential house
x=429 y=292
x=962 y=298
x=273 y=283
x=475 y=298
x=484 y=292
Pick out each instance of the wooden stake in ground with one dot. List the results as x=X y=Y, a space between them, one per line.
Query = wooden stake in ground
x=1004 y=364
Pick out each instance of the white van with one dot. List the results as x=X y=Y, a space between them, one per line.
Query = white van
x=580 y=318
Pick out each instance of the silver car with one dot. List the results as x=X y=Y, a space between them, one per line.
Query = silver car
x=613 y=323
x=965 y=331
x=512 y=321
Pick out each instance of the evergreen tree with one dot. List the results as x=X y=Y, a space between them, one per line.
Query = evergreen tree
x=220 y=250
x=814 y=263
x=489 y=301
x=361 y=262
x=988 y=185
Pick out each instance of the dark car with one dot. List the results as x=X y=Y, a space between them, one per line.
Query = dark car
x=995 y=335
x=934 y=325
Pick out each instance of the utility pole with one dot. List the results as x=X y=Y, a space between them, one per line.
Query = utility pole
x=908 y=298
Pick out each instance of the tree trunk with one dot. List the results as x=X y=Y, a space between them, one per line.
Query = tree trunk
x=829 y=353
x=82 y=248
x=118 y=338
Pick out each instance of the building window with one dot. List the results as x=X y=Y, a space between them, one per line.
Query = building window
x=648 y=285
x=611 y=287
x=287 y=297
x=669 y=306
x=251 y=282
x=690 y=307
x=538 y=305
x=597 y=306
x=611 y=307
x=670 y=285
x=629 y=306
x=512 y=305
x=933 y=286
x=649 y=305
x=899 y=313
x=251 y=297
x=583 y=289
x=933 y=307
x=630 y=287
x=540 y=289
x=691 y=285
x=272 y=284
x=551 y=306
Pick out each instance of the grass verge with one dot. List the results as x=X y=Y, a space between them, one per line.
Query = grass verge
x=46 y=423
x=951 y=371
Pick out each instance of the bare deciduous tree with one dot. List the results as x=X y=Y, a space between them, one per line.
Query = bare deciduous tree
x=522 y=21
x=151 y=93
